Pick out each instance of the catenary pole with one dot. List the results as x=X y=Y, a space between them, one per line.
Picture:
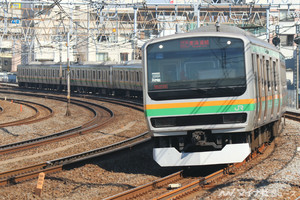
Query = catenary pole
x=68 y=113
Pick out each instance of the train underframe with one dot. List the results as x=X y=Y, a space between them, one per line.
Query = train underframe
x=201 y=147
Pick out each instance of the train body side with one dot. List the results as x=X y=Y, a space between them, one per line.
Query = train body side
x=97 y=78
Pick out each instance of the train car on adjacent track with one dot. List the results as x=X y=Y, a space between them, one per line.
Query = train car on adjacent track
x=212 y=96
x=85 y=78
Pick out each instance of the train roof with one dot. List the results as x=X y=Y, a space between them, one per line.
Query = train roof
x=134 y=64
x=224 y=30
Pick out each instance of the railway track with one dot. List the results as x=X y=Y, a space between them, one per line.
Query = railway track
x=41 y=111
x=102 y=116
x=292 y=115
x=22 y=174
x=94 y=124
x=29 y=172
x=162 y=189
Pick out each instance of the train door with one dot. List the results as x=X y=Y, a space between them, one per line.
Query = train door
x=259 y=91
x=140 y=79
x=94 y=82
x=272 y=86
x=277 y=88
x=109 y=78
x=265 y=87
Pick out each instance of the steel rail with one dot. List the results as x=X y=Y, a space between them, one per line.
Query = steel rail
x=26 y=173
x=292 y=115
x=32 y=119
x=85 y=128
x=205 y=181
x=184 y=190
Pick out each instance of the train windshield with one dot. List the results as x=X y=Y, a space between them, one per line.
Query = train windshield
x=197 y=67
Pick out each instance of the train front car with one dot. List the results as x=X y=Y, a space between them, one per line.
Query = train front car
x=199 y=98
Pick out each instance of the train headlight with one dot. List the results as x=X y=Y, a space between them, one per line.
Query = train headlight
x=234 y=118
x=163 y=122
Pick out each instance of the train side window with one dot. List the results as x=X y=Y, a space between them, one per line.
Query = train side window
x=268 y=74
x=82 y=74
x=137 y=77
x=94 y=75
x=126 y=76
x=140 y=76
x=275 y=75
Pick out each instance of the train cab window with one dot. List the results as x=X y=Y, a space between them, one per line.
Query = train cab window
x=195 y=67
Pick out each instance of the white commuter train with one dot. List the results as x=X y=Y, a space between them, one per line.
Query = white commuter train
x=211 y=96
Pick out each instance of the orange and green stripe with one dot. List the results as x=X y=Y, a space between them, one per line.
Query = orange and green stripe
x=203 y=107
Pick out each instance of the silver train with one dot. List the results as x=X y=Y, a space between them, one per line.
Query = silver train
x=96 y=78
x=212 y=96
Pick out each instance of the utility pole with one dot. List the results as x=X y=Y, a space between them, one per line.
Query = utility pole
x=297 y=41
x=68 y=113
x=60 y=64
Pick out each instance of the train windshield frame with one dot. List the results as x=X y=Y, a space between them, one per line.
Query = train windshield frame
x=196 y=67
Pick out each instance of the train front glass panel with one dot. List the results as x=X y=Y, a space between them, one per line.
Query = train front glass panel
x=196 y=67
